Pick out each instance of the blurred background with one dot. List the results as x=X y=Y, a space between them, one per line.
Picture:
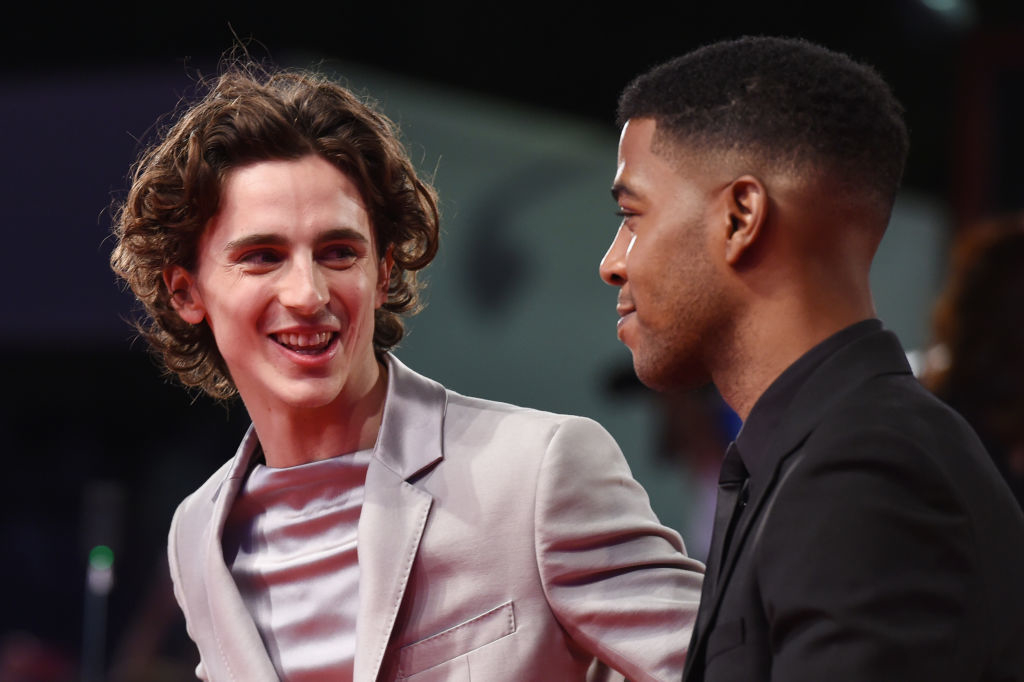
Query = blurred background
x=510 y=109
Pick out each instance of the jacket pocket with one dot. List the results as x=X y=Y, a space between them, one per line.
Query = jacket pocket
x=457 y=641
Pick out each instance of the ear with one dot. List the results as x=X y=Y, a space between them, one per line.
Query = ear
x=184 y=295
x=384 y=275
x=747 y=207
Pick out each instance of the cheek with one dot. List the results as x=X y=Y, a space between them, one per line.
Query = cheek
x=370 y=289
x=357 y=299
x=228 y=308
x=647 y=263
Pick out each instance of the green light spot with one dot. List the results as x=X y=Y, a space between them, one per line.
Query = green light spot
x=101 y=558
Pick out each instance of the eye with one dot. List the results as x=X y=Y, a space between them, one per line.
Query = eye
x=260 y=259
x=338 y=255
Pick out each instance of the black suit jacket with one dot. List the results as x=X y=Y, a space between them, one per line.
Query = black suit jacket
x=879 y=542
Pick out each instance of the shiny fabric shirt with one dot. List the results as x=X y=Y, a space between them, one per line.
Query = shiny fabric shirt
x=290 y=542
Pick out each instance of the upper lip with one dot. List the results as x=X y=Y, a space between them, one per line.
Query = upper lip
x=306 y=329
x=624 y=307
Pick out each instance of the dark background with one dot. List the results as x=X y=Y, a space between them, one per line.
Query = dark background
x=573 y=57
x=100 y=449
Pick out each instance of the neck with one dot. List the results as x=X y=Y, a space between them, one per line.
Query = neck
x=765 y=348
x=808 y=278
x=298 y=436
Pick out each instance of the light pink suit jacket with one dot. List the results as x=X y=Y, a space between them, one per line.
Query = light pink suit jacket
x=495 y=543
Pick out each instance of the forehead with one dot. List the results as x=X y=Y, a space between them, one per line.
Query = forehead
x=645 y=163
x=291 y=197
x=307 y=182
x=651 y=160
x=637 y=137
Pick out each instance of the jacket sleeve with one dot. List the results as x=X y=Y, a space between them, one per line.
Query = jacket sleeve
x=617 y=580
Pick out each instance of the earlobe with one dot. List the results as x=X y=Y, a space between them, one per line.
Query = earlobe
x=747 y=207
x=184 y=297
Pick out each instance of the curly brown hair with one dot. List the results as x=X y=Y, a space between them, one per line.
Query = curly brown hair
x=252 y=113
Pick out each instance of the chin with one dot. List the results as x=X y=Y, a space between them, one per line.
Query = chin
x=307 y=394
x=669 y=374
x=311 y=400
x=309 y=403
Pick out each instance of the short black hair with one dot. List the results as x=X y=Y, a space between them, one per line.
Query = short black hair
x=785 y=99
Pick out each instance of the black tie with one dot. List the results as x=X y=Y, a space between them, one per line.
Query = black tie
x=732 y=497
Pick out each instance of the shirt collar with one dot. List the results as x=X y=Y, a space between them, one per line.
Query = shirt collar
x=761 y=424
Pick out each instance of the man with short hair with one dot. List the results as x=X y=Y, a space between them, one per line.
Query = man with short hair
x=373 y=525
x=862 y=531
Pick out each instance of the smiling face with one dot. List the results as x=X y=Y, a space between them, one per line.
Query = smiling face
x=671 y=300
x=288 y=279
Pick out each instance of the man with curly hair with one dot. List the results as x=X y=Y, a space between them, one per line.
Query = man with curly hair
x=862 y=532
x=372 y=524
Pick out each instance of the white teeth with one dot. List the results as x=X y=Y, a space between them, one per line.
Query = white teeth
x=304 y=341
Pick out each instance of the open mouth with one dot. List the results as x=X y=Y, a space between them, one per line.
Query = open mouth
x=306 y=344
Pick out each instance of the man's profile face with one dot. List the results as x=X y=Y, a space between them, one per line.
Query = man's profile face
x=670 y=298
x=288 y=279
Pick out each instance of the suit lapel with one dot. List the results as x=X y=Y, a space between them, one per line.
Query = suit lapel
x=239 y=642
x=395 y=511
x=757 y=510
x=873 y=355
x=392 y=520
x=708 y=610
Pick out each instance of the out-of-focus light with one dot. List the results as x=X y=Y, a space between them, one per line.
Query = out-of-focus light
x=943 y=5
x=100 y=575
x=101 y=557
x=956 y=11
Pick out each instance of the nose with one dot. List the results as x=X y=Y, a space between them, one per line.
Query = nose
x=303 y=288
x=613 y=265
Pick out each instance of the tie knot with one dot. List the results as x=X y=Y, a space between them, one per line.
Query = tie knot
x=733 y=469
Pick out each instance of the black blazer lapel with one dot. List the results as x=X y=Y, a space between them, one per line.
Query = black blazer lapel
x=873 y=355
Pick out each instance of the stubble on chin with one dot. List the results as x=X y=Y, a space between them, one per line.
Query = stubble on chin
x=663 y=370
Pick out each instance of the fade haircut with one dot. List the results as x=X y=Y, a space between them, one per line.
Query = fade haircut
x=786 y=101
x=252 y=113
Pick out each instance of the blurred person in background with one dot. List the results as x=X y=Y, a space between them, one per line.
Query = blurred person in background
x=976 y=360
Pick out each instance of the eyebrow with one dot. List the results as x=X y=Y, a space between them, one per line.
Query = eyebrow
x=341 y=234
x=255 y=240
x=347 y=234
